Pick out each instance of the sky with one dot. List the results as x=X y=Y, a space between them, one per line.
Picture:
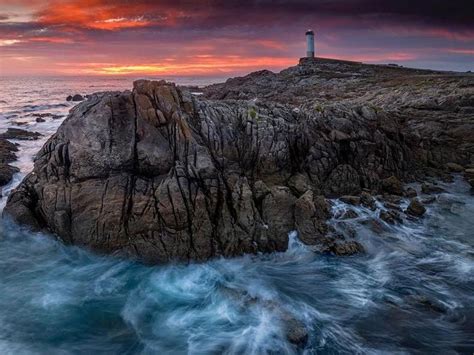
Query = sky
x=224 y=38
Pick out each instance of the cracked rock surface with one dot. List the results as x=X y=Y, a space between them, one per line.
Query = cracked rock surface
x=160 y=175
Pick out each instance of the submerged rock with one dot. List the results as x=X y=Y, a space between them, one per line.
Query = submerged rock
x=344 y=248
x=428 y=188
x=411 y=192
x=416 y=208
x=390 y=216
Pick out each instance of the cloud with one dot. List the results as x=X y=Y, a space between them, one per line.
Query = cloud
x=132 y=36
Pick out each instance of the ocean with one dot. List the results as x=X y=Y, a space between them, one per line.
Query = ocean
x=411 y=292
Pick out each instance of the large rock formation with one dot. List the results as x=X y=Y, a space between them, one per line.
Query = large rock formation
x=162 y=175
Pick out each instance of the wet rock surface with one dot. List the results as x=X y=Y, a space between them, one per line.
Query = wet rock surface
x=161 y=175
x=7 y=155
x=416 y=208
x=20 y=134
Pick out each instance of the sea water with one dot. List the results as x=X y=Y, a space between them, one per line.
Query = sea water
x=412 y=291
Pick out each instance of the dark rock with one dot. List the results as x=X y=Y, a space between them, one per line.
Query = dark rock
x=6 y=173
x=295 y=330
x=310 y=221
x=351 y=200
x=367 y=200
x=428 y=200
x=390 y=216
x=428 y=188
x=298 y=184
x=392 y=199
x=392 y=206
x=7 y=155
x=375 y=225
x=77 y=97
x=69 y=98
x=455 y=168
x=469 y=176
x=39 y=119
x=392 y=185
x=410 y=192
x=349 y=214
x=344 y=248
x=415 y=208
x=428 y=304
x=20 y=134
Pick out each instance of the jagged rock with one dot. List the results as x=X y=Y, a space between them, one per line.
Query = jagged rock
x=310 y=222
x=455 y=168
x=159 y=174
x=298 y=184
x=20 y=134
x=7 y=155
x=415 y=208
x=367 y=200
x=392 y=185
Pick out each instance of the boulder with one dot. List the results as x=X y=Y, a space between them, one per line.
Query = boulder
x=392 y=185
x=415 y=208
x=77 y=97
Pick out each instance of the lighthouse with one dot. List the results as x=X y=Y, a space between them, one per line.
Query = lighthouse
x=309 y=44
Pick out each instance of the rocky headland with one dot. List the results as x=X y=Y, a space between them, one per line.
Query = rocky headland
x=160 y=174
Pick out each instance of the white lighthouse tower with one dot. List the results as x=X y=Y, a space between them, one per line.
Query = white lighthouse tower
x=309 y=44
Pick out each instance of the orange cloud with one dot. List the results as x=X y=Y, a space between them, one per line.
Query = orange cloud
x=93 y=14
x=198 y=65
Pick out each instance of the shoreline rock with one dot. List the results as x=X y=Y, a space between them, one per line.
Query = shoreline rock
x=161 y=175
x=20 y=134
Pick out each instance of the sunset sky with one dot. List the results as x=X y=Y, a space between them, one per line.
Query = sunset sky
x=227 y=37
